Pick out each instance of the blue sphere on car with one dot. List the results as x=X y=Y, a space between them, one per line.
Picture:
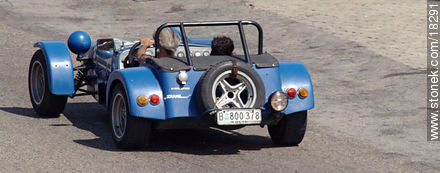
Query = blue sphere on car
x=79 y=42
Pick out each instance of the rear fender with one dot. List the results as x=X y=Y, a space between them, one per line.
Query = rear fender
x=138 y=81
x=59 y=67
x=295 y=75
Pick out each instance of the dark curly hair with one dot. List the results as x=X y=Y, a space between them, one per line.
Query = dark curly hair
x=222 y=45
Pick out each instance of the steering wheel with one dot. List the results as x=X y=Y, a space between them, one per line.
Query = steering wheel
x=131 y=59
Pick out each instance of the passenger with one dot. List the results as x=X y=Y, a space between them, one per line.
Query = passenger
x=222 y=45
x=168 y=41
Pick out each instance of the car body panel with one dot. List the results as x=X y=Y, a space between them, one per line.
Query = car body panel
x=271 y=79
x=179 y=99
x=59 y=67
x=295 y=75
x=138 y=81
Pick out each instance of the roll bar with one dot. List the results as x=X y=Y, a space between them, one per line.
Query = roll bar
x=239 y=23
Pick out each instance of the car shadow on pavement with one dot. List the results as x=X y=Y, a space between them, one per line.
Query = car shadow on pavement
x=94 y=118
x=26 y=112
x=207 y=141
x=91 y=117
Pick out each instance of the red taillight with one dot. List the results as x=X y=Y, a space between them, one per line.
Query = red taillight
x=154 y=99
x=291 y=92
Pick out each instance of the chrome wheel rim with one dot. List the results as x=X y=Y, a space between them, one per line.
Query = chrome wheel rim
x=119 y=116
x=238 y=92
x=37 y=82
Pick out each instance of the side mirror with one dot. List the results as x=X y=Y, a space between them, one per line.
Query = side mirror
x=106 y=44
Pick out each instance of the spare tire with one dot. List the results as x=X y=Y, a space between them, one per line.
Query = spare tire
x=229 y=85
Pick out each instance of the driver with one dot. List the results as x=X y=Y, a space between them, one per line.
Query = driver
x=168 y=41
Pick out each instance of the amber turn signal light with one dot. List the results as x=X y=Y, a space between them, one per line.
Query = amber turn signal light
x=142 y=100
x=303 y=92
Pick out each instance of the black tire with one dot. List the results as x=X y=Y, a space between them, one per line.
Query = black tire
x=45 y=103
x=206 y=84
x=290 y=129
x=137 y=131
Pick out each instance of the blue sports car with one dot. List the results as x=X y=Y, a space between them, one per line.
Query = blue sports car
x=192 y=90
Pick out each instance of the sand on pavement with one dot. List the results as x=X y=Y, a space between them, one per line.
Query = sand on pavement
x=394 y=29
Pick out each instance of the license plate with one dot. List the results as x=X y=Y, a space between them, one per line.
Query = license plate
x=239 y=116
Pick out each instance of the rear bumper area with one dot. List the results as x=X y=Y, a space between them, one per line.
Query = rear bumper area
x=209 y=120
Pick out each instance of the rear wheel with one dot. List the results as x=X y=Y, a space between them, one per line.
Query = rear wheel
x=128 y=131
x=43 y=101
x=290 y=129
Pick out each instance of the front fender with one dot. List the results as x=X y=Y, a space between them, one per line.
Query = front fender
x=138 y=81
x=295 y=75
x=59 y=67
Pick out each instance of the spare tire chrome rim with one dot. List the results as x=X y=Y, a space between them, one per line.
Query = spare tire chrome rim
x=38 y=82
x=119 y=115
x=230 y=92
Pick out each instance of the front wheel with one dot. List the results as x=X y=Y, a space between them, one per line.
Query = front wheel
x=128 y=131
x=290 y=129
x=43 y=101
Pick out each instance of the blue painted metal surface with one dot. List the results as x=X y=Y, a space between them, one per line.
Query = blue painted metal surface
x=272 y=83
x=59 y=67
x=79 y=42
x=295 y=75
x=104 y=58
x=205 y=42
x=179 y=99
x=139 y=81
